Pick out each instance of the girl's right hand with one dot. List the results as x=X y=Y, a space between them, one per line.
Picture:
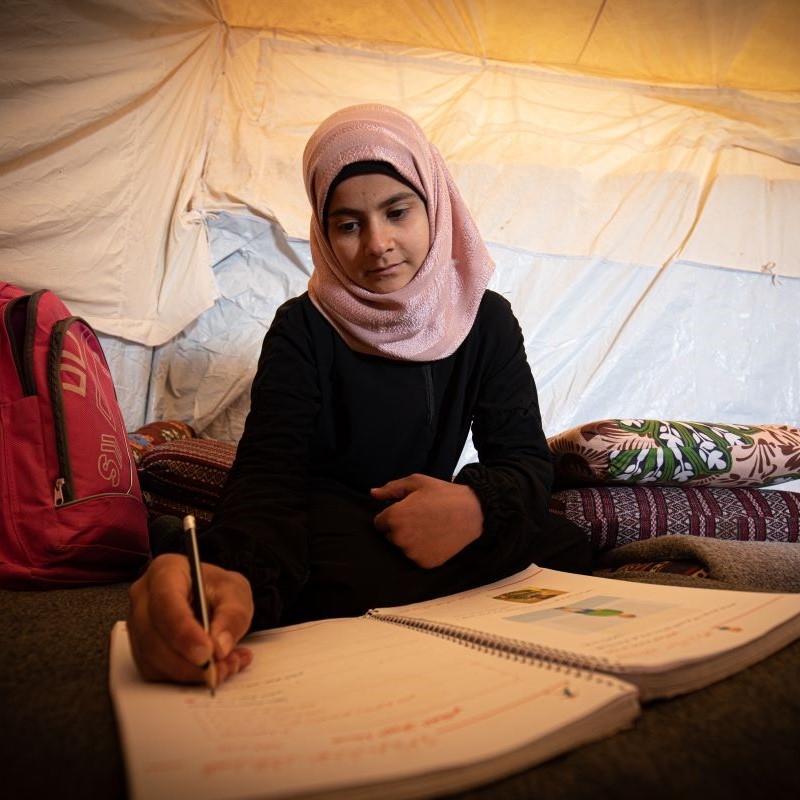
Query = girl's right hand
x=168 y=642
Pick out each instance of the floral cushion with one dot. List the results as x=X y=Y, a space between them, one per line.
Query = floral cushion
x=670 y=453
x=613 y=516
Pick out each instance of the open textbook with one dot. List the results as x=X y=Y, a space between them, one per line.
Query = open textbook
x=666 y=640
x=464 y=690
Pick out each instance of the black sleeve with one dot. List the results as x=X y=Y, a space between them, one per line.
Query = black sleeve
x=514 y=475
x=260 y=524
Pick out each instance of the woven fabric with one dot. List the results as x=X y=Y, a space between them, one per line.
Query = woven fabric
x=186 y=477
x=188 y=472
x=142 y=439
x=616 y=515
x=676 y=566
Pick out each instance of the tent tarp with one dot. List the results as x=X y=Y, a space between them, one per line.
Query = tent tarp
x=635 y=165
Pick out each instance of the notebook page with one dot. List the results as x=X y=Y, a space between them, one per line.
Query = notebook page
x=355 y=708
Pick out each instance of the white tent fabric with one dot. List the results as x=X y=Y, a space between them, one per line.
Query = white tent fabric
x=634 y=164
x=660 y=173
x=104 y=108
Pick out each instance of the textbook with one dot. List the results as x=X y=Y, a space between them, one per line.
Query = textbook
x=439 y=696
x=666 y=640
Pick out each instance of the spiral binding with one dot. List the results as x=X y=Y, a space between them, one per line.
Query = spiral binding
x=588 y=667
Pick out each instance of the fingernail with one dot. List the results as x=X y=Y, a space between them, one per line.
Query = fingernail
x=225 y=643
x=199 y=655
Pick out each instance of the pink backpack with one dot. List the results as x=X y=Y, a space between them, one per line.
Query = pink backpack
x=71 y=509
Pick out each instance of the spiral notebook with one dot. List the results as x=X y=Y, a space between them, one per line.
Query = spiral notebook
x=666 y=640
x=436 y=697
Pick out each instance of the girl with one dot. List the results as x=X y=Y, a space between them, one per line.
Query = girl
x=343 y=495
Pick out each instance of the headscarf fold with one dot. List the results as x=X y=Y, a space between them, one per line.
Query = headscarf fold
x=431 y=316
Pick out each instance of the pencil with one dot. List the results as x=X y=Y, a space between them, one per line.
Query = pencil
x=199 y=596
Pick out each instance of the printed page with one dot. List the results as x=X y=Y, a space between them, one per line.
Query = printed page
x=623 y=627
x=354 y=708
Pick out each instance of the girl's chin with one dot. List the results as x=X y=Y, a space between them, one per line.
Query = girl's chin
x=386 y=281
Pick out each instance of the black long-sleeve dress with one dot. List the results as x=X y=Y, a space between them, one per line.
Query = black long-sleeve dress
x=326 y=424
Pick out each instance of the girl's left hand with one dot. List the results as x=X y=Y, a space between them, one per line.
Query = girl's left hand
x=430 y=520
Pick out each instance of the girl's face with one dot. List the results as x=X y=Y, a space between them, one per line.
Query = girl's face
x=378 y=230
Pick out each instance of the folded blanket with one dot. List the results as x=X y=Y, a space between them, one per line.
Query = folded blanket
x=725 y=563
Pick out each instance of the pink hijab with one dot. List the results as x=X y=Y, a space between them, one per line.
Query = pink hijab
x=431 y=316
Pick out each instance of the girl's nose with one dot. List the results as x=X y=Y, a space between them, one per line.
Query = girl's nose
x=378 y=239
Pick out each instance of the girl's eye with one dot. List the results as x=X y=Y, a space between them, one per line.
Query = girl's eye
x=347 y=227
x=398 y=213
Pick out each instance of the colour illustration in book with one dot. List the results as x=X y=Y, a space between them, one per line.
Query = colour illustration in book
x=530 y=594
x=586 y=614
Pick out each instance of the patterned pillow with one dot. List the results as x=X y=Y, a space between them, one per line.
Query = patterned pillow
x=142 y=439
x=667 y=453
x=185 y=476
x=615 y=515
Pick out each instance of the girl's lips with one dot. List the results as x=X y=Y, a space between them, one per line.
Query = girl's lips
x=387 y=268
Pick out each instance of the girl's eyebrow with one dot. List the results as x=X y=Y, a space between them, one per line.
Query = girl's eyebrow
x=343 y=211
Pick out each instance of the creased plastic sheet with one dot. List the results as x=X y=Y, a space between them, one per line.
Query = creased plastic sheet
x=603 y=339
x=203 y=375
x=130 y=365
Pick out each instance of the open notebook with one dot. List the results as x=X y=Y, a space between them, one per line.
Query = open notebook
x=438 y=696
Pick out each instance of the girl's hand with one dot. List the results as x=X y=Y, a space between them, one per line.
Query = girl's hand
x=168 y=642
x=431 y=520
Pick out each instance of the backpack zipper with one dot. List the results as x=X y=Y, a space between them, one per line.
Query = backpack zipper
x=20 y=318
x=58 y=494
x=63 y=491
